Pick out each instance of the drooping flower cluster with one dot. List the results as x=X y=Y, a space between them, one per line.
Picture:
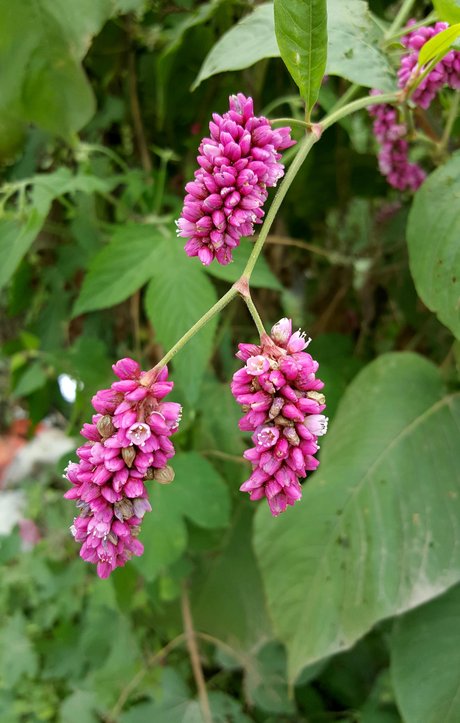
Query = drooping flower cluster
x=282 y=401
x=127 y=444
x=238 y=162
x=390 y=131
x=393 y=157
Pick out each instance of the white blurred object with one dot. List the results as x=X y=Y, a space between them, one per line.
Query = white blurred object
x=46 y=447
x=68 y=387
x=12 y=504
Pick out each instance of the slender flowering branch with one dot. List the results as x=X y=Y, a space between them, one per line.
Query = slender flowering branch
x=255 y=314
x=192 y=647
x=400 y=18
x=359 y=104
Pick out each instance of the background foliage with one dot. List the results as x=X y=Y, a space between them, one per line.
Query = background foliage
x=346 y=608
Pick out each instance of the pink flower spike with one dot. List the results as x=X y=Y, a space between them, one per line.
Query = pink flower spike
x=278 y=390
x=122 y=453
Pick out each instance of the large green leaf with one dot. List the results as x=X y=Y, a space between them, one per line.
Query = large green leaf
x=177 y=296
x=377 y=531
x=15 y=240
x=353 y=45
x=425 y=657
x=433 y=232
x=448 y=10
x=120 y=268
x=197 y=493
x=301 y=33
x=42 y=43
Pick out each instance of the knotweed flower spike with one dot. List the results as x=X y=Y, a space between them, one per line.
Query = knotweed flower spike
x=128 y=444
x=390 y=131
x=237 y=163
x=283 y=406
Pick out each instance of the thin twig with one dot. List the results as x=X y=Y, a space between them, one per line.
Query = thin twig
x=333 y=256
x=139 y=130
x=223 y=455
x=194 y=653
x=136 y=680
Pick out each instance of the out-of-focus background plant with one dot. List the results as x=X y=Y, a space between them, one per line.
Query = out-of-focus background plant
x=347 y=607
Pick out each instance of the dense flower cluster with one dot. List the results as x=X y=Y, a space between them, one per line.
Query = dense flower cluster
x=390 y=132
x=282 y=400
x=446 y=72
x=238 y=162
x=393 y=155
x=128 y=443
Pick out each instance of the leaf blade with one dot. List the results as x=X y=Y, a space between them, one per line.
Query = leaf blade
x=357 y=549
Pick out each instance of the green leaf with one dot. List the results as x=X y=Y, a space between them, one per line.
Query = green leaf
x=434 y=253
x=79 y=706
x=425 y=661
x=42 y=44
x=353 y=45
x=301 y=32
x=375 y=531
x=250 y=40
x=227 y=595
x=197 y=493
x=448 y=10
x=33 y=378
x=439 y=45
x=15 y=240
x=18 y=659
x=177 y=296
x=120 y=268
x=262 y=276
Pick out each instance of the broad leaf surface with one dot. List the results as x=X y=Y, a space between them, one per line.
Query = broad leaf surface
x=177 y=296
x=379 y=525
x=433 y=234
x=301 y=33
x=353 y=45
x=15 y=240
x=425 y=661
x=120 y=268
x=197 y=493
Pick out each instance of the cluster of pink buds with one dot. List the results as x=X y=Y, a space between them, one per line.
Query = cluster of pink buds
x=446 y=72
x=128 y=443
x=393 y=155
x=238 y=162
x=282 y=401
x=390 y=132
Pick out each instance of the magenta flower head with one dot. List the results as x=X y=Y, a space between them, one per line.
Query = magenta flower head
x=127 y=444
x=237 y=163
x=283 y=404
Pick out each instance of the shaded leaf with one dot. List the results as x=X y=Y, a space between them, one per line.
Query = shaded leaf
x=425 y=661
x=370 y=538
x=433 y=231
x=197 y=493
x=177 y=296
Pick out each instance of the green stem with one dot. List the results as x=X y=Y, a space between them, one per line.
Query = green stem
x=303 y=149
x=290 y=121
x=148 y=378
x=451 y=118
x=346 y=97
x=400 y=18
x=421 y=24
x=160 y=185
x=255 y=314
x=359 y=104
